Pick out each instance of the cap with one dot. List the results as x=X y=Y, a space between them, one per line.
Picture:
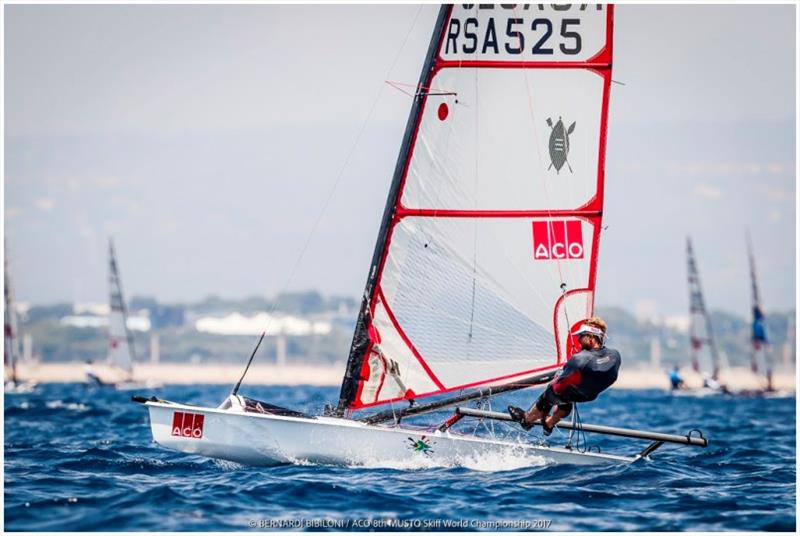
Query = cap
x=591 y=330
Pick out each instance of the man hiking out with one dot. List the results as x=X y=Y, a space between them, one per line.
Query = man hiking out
x=583 y=377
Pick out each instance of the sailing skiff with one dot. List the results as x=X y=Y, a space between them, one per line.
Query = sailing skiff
x=121 y=352
x=233 y=433
x=486 y=255
x=12 y=384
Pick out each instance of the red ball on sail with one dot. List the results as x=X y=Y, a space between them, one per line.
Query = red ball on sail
x=443 y=111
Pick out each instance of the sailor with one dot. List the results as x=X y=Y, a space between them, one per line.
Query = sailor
x=587 y=374
x=675 y=379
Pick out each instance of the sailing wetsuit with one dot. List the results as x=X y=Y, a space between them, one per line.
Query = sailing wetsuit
x=675 y=379
x=585 y=376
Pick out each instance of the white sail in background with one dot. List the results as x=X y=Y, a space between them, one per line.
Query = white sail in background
x=701 y=336
x=120 y=342
x=488 y=253
x=10 y=323
x=759 y=339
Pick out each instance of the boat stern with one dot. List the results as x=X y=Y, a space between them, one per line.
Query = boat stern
x=204 y=432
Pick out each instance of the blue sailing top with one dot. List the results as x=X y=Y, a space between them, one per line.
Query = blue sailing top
x=675 y=378
x=759 y=325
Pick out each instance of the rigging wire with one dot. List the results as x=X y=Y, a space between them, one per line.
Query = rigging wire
x=333 y=189
x=577 y=432
x=475 y=206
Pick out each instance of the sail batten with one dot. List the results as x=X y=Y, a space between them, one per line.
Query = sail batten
x=488 y=251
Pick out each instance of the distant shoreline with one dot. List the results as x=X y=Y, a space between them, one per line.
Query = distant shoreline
x=331 y=375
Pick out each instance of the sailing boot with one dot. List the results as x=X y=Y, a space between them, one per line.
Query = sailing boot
x=518 y=415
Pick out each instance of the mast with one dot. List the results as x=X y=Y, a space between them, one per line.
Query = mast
x=360 y=336
x=697 y=308
x=117 y=305
x=10 y=353
x=759 y=329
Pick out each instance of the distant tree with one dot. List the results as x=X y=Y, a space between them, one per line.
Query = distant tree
x=39 y=313
x=306 y=302
x=142 y=302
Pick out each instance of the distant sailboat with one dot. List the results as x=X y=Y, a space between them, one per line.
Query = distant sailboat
x=11 y=354
x=760 y=351
x=485 y=260
x=701 y=334
x=121 y=352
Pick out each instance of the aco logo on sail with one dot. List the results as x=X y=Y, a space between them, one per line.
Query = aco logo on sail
x=554 y=240
x=185 y=424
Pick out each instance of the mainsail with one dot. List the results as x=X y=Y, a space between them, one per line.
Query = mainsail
x=759 y=326
x=120 y=342
x=700 y=332
x=10 y=337
x=487 y=253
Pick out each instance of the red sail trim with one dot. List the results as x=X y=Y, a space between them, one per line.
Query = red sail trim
x=601 y=155
x=408 y=342
x=595 y=254
x=357 y=405
x=383 y=379
x=361 y=379
x=403 y=212
x=559 y=301
x=479 y=64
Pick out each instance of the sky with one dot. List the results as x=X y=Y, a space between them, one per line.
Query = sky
x=210 y=140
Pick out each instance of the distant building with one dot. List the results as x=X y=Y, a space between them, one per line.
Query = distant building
x=238 y=324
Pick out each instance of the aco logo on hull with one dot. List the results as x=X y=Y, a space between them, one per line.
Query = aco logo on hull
x=186 y=424
x=557 y=240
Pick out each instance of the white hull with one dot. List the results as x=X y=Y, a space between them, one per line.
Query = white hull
x=121 y=385
x=23 y=388
x=700 y=392
x=138 y=385
x=259 y=439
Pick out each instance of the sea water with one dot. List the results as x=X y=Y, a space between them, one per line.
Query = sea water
x=83 y=459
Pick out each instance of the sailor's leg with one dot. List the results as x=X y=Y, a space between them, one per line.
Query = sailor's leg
x=562 y=411
x=541 y=408
x=533 y=414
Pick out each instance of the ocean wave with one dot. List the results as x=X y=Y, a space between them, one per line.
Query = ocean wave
x=78 y=460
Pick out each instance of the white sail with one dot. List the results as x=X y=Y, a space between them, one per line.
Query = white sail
x=759 y=337
x=10 y=324
x=703 y=347
x=120 y=342
x=489 y=250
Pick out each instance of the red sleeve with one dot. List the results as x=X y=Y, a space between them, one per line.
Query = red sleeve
x=572 y=377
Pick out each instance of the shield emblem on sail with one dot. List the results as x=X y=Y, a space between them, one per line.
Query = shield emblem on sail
x=559 y=144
